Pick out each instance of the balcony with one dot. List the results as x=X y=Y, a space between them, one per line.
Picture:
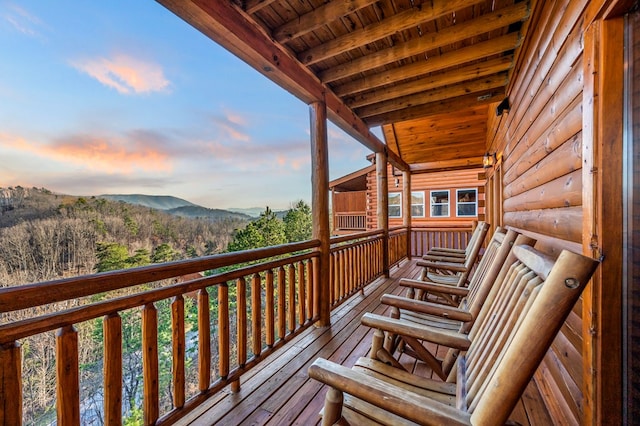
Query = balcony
x=233 y=342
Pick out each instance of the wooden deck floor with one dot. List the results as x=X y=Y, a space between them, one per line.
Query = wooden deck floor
x=279 y=392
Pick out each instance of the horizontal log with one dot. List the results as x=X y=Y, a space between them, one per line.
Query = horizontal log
x=565 y=191
x=30 y=295
x=563 y=223
x=542 y=138
x=564 y=160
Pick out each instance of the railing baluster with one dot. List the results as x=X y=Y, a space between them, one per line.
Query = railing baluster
x=204 y=341
x=150 y=363
x=333 y=286
x=315 y=286
x=178 y=340
x=342 y=267
x=292 y=299
x=302 y=297
x=11 y=384
x=309 y=282
x=223 y=329
x=112 y=330
x=269 y=307
x=256 y=314
x=282 y=298
x=241 y=303
x=68 y=376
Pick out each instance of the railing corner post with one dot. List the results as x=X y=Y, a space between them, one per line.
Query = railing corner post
x=10 y=384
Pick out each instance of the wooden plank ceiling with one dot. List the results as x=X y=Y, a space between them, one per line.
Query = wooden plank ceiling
x=428 y=71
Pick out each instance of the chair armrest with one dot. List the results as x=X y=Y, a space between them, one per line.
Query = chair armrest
x=435 y=287
x=437 y=257
x=429 y=308
x=445 y=266
x=449 y=251
x=403 y=403
x=448 y=338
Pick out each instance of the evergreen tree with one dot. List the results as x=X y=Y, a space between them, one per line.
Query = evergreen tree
x=111 y=256
x=267 y=231
x=298 y=222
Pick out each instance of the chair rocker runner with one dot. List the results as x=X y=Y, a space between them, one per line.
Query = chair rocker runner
x=504 y=348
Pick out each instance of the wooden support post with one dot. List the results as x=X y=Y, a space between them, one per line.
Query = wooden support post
x=602 y=220
x=383 y=207
x=320 y=203
x=10 y=384
x=406 y=213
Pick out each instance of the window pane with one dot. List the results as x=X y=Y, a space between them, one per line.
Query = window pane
x=467 y=195
x=440 y=210
x=394 y=211
x=467 y=209
x=440 y=196
x=417 y=198
x=395 y=198
x=417 y=210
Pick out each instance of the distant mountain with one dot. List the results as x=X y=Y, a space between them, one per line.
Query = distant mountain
x=160 y=202
x=194 y=211
x=250 y=211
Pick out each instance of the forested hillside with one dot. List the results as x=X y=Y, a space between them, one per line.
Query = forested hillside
x=46 y=236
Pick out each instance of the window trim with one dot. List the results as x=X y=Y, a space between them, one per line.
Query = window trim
x=464 y=203
x=431 y=203
x=389 y=205
x=421 y=204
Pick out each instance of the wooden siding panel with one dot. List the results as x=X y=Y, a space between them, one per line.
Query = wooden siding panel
x=540 y=140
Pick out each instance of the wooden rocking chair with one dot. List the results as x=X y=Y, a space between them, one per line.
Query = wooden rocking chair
x=500 y=355
x=446 y=270
x=419 y=314
x=458 y=255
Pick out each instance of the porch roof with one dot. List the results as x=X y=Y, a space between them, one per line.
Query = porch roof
x=430 y=72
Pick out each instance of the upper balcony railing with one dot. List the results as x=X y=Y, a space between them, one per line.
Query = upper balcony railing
x=194 y=337
x=352 y=221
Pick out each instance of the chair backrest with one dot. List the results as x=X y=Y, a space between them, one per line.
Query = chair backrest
x=480 y=225
x=475 y=244
x=512 y=333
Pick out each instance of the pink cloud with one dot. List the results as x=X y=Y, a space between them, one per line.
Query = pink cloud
x=232 y=126
x=96 y=153
x=125 y=74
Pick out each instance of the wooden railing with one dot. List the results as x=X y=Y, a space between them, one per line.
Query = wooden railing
x=241 y=316
x=350 y=221
x=397 y=245
x=424 y=238
x=223 y=324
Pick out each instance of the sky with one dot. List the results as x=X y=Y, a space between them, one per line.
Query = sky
x=123 y=97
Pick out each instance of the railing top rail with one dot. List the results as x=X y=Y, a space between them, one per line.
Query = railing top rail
x=451 y=227
x=374 y=233
x=36 y=294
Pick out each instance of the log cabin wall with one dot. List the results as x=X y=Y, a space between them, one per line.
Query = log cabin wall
x=425 y=182
x=539 y=146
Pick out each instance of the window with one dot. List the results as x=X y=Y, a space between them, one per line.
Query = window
x=440 y=203
x=467 y=202
x=417 y=204
x=395 y=204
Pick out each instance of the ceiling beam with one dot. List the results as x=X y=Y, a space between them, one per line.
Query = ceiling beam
x=409 y=18
x=252 y=6
x=323 y=15
x=437 y=166
x=485 y=84
x=429 y=41
x=440 y=107
x=437 y=63
x=231 y=27
x=433 y=81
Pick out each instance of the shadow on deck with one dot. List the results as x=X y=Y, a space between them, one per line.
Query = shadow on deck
x=280 y=392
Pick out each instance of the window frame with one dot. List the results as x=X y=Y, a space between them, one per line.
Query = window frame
x=421 y=204
x=466 y=203
x=432 y=204
x=389 y=205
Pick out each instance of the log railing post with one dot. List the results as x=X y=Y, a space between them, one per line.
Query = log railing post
x=320 y=203
x=204 y=341
x=383 y=207
x=10 y=384
x=151 y=410
x=179 y=343
x=406 y=213
x=112 y=330
x=68 y=376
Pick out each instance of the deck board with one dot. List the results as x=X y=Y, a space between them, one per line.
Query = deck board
x=279 y=391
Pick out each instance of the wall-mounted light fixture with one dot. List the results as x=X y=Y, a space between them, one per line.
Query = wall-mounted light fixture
x=503 y=106
x=397 y=182
x=489 y=160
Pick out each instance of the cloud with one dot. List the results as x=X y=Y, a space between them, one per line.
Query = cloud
x=126 y=74
x=232 y=125
x=21 y=20
x=109 y=154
